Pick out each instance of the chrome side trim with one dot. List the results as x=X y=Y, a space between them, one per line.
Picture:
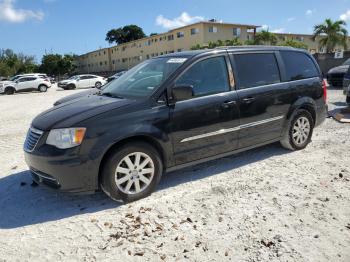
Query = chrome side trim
x=215 y=133
x=229 y=130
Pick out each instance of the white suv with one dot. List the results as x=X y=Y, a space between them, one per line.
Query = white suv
x=82 y=81
x=25 y=83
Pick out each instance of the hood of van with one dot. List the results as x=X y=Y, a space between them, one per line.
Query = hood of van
x=78 y=95
x=77 y=110
x=339 y=69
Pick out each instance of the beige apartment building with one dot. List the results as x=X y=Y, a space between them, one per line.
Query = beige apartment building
x=125 y=56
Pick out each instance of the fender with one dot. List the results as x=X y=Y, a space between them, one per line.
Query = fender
x=302 y=102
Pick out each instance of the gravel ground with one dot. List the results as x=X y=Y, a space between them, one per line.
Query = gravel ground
x=266 y=204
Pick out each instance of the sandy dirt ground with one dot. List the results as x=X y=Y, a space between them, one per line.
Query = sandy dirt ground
x=266 y=204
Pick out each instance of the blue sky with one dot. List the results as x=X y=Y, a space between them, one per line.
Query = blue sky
x=78 y=26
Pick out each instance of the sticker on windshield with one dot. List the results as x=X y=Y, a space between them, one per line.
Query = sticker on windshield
x=176 y=60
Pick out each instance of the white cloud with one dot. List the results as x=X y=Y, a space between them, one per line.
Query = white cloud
x=264 y=27
x=9 y=13
x=345 y=16
x=290 y=19
x=182 y=20
x=310 y=12
x=278 y=30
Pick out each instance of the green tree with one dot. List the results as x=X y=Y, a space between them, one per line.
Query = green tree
x=124 y=34
x=56 y=64
x=295 y=44
x=218 y=43
x=153 y=34
x=265 y=37
x=333 y=33
x=12 y=63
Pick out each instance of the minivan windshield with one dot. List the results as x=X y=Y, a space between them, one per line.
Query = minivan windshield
x=143 y=79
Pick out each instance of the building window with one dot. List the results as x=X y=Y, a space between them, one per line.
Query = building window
x=105 y=62
x=113 y=62
x=213 y=29
x=179 y=50
x=180 y=34
x=236 y=32
x=194 y=31
x=147 y=56
x=299 y=38
x=170 y=37
x=104 y=52
x=100 y=63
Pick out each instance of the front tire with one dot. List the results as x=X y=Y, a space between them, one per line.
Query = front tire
x=9 y=90
x=98 y=85
x=131 y=172
x=299 y=130
x=71 y=87
x=42 y=88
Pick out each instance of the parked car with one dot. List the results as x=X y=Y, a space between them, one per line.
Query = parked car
x=335 y=76
x=23 y=84
x=174 y=111
x=82 y=81
x=115 y=76
x=346 y=86
x=14 y=78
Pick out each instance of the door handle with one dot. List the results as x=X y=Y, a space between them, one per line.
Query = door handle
x=228 y=104
x=248 y=100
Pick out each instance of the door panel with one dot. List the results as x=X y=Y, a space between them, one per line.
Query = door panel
x=262 y=111
x=204 y=126
x=208 y=123
x=261 y=94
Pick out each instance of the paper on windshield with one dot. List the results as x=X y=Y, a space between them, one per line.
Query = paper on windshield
x=176 y=60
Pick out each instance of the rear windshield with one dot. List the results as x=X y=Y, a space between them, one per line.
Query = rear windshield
x=298 y=65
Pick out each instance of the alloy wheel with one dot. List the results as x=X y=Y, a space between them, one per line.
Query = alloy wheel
x=134 y=173
x=301 y=130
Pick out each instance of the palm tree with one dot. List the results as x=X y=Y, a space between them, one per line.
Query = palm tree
x=334 y=33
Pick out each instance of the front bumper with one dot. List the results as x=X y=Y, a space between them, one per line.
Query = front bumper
x=67 y=170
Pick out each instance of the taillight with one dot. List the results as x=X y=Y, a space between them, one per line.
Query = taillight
x=324 y=86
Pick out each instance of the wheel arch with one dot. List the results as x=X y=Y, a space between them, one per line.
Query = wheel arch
x=306 y=103
x=11 y=87
x=136 y=138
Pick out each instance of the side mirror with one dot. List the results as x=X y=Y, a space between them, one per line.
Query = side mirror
x=182 y=92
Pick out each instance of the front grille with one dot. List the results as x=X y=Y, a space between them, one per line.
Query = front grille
x=32 y=139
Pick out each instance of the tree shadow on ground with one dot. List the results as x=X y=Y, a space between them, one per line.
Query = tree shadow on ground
x=23 y=205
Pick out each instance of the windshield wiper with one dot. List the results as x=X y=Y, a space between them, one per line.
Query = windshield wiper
x=109 y=94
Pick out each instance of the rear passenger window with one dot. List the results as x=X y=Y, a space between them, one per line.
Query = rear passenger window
x=298 y=65
x=207 y=77
x=256 y=70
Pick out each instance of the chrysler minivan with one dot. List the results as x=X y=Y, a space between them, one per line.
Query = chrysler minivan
x=174 y=111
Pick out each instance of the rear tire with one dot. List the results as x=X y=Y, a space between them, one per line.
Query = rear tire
x=9 y=90
x=299 y=130
x=42 y=88
x=131 y=172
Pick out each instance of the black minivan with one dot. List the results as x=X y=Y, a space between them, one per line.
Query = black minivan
x=174 y=111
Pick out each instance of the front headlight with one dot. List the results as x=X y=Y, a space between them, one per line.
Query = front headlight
x=66 y=137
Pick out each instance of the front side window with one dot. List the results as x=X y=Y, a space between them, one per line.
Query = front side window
x=298 y=65
x=143 y=79
x=207 y=77
x=256 y=69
